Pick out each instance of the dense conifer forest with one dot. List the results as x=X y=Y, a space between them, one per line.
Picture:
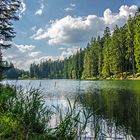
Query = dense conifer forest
x=112 y=55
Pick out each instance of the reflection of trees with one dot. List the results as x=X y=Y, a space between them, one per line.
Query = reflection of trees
x=119 y=108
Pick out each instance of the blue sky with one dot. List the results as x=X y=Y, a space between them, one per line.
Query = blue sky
x=58 y=28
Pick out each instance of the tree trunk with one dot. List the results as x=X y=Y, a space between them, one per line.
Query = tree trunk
x=0 y=64
x=133 y=67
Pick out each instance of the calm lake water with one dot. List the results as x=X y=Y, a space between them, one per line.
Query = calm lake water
x=115 y=105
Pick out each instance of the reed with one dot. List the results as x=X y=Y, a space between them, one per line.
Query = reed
x=25 y=116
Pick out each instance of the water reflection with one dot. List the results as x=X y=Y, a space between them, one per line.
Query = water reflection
x=116 y=112
x=114 y=106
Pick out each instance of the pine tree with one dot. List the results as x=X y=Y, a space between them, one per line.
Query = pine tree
x=94 y=58
x=100 y=55
x=106 y=53
x=130 y=44
x=80 y=63
x=137 y=41
x=86 y=63
x=115 y=57
x=8 y=12
x=124 y=60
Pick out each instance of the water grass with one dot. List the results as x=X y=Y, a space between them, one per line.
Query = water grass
x=25 y=116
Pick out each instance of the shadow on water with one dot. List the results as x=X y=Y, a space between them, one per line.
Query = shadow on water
x=116 y=111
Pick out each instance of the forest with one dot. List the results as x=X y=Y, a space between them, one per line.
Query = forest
x=114 y=55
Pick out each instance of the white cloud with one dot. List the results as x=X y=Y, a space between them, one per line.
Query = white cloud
x=25 y=48
x=61 y=48
x=38 y=33
x=111 y=19
x=21 y=56
x=47 y=58
x=70 y=29
x=126 y=11
x=39 y=12
x=72 y=5
x=34 y=28
x=22 y=8
x=67 y=52
x=34 y=54
x=70 y=8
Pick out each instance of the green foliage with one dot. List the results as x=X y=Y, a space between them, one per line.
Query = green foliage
x=70 y=68
x=25 y=116
x=137 y=42
x=68 y=123
x=113 y=54
x=8 y=13
x=130 y=44
x=87 y=64
x=24 y=113
x=8 y=126
x=14 y=73
x=106 y=53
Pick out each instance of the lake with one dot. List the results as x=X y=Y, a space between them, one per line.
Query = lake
x=114 y=105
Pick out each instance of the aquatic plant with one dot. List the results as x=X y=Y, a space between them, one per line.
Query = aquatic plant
x=24 y=115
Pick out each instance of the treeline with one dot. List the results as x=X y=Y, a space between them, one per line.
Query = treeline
x=113 y=55
x=15 y=73
x=70 y=68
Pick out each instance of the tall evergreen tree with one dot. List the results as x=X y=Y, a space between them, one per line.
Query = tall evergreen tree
x=124 y=59
x=130 y=45
x=100 y=55
x=94 y=56
x=137 y=41
x=115 y=57
x=80 y=63
x=86 y=63
x=8 y=12
x=106 y=53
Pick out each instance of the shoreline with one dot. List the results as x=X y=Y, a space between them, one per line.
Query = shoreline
x=87 y=79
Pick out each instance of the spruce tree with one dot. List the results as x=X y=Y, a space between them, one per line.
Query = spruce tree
x=94 y=56
x=115 y=64
x=8 y=13
x=124 y=60
x=137 y=41
x=106 y=53
x=100 y=56
x=86 y=63
x=130 y=44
